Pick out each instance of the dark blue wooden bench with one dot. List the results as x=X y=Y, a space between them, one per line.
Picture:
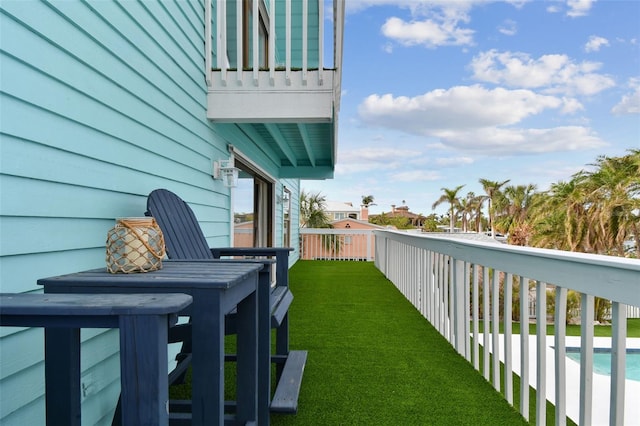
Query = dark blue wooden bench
x=143 y=320
x=185 y=241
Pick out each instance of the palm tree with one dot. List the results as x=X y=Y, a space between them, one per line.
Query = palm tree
x=312 y=211
x=612 y=200
x=367 y=200
x=450 y=196
x=596 y=211
x=559 y=218
x=478 y=201
x=492 y=189
x=468 y=208
x=515 y=221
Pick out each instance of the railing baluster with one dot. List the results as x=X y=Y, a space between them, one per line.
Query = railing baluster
x=305 y=39
x=459 y=310
x=221 y=39
x=586 y=358
x=320 y=41
x=524 y=347
x=439 y=295
x=486 y=317
x=272 y=42
x=239 y=41
x=207 y=42
x=541 y=353
x=287 y=69
x=256 y=42
x=476 y=343
x=495 y=326
x=618 y=354
x=448 y=299
x=560 y=355
x=508 y=365
x=467 y=311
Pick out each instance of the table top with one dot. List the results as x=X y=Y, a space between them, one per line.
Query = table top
x=92 y=304
x=221 y=275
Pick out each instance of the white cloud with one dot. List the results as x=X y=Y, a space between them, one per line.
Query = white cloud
x=554 y=74
x=478 y=120
x=368 y=159
x=571 y=106
x=415 y=176
x=424 y=7
x=501 y=141
x=553 y=9
x=595 y=43
x=454 y=161
x=459 y=107
x=509 y=27
x=630 y=102
x=579 y=8
x=428 y=33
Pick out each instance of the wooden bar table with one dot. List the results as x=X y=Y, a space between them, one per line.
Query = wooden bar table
x=216 y=288
x=143 y=320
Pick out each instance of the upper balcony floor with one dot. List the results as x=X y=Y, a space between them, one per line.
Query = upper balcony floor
x=274 y=67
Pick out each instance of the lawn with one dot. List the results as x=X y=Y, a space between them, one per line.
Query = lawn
x=373 y=360
x=633 y=329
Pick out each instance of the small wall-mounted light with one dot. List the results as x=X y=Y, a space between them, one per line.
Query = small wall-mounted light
x=224 y=170
x=284 y=198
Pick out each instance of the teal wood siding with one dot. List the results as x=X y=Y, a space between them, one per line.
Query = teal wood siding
x=100 y=103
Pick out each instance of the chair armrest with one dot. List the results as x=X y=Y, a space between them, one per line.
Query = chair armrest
x=251 y=251
x=281 y=254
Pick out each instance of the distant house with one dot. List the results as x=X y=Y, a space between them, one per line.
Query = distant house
x=336 y=210
x=416 y=220
x=103 y=102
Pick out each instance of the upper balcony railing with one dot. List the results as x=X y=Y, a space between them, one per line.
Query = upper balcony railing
x=274 y=48
x=455 y=284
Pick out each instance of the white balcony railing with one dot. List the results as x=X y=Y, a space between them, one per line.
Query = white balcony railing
x=262 y=54
x=444 y=278
x=337 y=244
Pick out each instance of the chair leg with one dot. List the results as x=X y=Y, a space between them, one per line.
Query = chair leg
x=282 y=343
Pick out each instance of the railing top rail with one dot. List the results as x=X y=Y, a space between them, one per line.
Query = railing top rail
x=614 y=278
x=341 y=231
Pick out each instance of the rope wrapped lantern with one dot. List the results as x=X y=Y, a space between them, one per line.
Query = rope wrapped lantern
x=135 y=245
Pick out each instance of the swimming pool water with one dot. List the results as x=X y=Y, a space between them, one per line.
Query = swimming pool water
x=602 y=361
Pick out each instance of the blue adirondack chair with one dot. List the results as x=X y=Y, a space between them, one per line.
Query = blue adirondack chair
x=185 y=241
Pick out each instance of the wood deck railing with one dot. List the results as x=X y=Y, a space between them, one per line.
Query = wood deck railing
x=337 y=244
x=456 y=283
x=275 y=49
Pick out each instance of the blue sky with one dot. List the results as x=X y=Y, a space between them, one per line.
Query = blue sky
x=442 y=93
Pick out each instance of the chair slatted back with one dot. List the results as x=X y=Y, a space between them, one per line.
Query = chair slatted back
x=183 y=236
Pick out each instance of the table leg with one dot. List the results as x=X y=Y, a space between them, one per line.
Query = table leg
x=264 y=346
x=207 y=384
x=143 y=370
x=247 y=374
x=62 y=376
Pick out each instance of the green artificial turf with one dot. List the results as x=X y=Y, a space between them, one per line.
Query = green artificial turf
x=373 y=360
